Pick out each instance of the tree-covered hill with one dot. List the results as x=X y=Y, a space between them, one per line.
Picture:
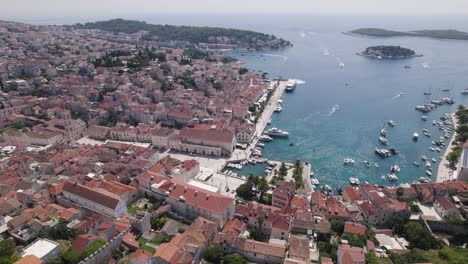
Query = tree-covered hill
x=195 y=35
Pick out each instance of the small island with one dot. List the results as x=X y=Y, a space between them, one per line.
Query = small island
x=388 y=52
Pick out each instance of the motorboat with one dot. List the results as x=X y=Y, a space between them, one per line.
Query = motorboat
x=392 y=177
x=434 y=160
x=376 y=165
x=275 y=132
x=290 y=86
x=278 y=108
x=269 y=122
x=395 y=168
x=383 y=140
x=423 y=157
x=415 y=136
x=428 y=172
x=423 y=180
x=348 y=161
x=427 y=134
x=416 y=164
x=383 y=132
x=382 y=152
x=423 y=117
x=367 y=163
x=265 y=138
x=464 y=91
x=391 y=122
x=354 y=181
x=393 y=151
x=314 y=181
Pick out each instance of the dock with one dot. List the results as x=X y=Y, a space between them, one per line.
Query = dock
x=444 y=172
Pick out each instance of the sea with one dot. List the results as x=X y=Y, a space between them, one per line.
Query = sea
x=367 y=92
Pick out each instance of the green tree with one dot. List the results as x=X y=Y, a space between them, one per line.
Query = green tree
x=213 y=254
x=158 y=223
x=7 y=247
x=337 y=226
x=244 y=191
x=283 y=171
x=234 y=259
x=71 y=257
x=371 y=258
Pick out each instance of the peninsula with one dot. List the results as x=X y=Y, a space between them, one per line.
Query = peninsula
x=388 y=52
x=204 y=37
x=436 y=34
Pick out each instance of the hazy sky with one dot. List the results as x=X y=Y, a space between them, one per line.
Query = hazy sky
x=32 y=9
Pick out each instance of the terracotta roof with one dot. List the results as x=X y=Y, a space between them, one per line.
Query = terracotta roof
x=351 y=255
x=352 y=194
x=82 y=241
x=354 y=228
x=445 y=203
x=29 y=259
x=258 y=247
x=91 y=194
x=197 y=197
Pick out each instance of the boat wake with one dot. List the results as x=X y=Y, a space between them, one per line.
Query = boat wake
x=297 y=81
x=285 y=58
x=397 y=96
x=340 y=62
x=333 y=110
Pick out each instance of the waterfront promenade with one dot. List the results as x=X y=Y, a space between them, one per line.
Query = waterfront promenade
x=444 y=172
x=262 y=122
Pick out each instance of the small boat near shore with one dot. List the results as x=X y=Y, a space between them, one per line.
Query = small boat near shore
x=278 y=109
x=265 y=138
x=354 y=181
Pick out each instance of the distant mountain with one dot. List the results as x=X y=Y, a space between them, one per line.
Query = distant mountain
x=437 y=34
x=195 y=35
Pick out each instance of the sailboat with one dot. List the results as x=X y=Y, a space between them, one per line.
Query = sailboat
x=428 y=92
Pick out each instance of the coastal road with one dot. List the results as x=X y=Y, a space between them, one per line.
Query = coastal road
x=261 y=123
x=444 y=172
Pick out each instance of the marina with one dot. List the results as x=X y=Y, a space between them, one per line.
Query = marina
x=327 y=122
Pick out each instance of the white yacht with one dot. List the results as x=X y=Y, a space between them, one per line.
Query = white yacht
x=392 y=177
x=415 y=136
x=395 y=168
x=275 y=132
x=391 y=122
x=354 y=181
x=290 y=87
x=278 y=108
x=265 y=138
x=383 y=140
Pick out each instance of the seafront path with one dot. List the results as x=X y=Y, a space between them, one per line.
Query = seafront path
x=262 y=122
x=444 y=172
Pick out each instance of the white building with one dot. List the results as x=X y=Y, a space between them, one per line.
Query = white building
x=42 y=248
